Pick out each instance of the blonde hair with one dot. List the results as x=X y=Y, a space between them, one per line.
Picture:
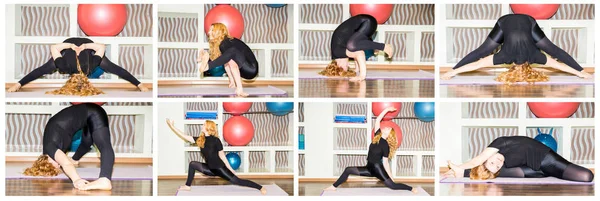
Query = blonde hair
x=333 y=69
x=391 y=140
x=482 y=173
x=220 y=32
x=42 y=167
x=522 y=73
x=211 y=128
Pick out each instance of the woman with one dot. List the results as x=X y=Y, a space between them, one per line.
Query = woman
x=58 y=134
x=522 y=157
x=212 y=151
x=74 y=52
x=234 y=54
x=382 y=149
x=522 y=43
x=351 y=39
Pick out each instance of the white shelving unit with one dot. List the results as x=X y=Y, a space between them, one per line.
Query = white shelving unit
x=13 y=40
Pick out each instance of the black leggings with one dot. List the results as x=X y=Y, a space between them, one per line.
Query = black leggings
x=248 y=70
x=553 y=165
x=371 y=170
x=222 y=172
x=360 y=40
x=97 y=133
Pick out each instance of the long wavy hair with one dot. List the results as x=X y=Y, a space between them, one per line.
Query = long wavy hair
x=220 y=33
x=391 y=140
x=522 y=73
x=481 y=173
x=333 y=70
x=42 y=167
x=211 y=128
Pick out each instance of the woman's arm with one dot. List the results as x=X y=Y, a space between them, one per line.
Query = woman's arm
x=69 y=168
x=542 y=42
x=494 y=39
x=178 y=132
x=386 y=166
x=479 y=159
x=224 y=159
x=56 y=49
x=97 y=47
x=380 y=117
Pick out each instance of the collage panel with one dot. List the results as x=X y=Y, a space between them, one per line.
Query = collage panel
x=79 y=50
x=366 y=50
x=517 y=148
x=366 y=149
x=225 y=149
x=224 y=50
x=101 y=148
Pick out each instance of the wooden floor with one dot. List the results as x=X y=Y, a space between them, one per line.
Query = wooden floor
x=168 y=187
x=515 y=190
x=333 y=88
x=517 y=91
x=316 y=188
x=288 y=89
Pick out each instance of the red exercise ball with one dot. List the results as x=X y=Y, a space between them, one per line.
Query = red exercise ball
x=101 y=19
x=237 y=108
x=381 y=12
x=553 y=109
x=238 y=131
x=537 y=11
x=97 y=103
x=378 y=107
x=227 y=15
x=395 y=127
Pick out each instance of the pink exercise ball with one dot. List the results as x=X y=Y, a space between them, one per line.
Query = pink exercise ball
x=227 y=15
x=537 y=11
x=381 y=12
x=238 y=131
x=553 y=109
x=102 y=19
x=237 y=108
x=378 y=107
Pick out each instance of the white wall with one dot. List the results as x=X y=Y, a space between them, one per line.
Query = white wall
x=318 y=152
x=450 y=133
x=171 y=152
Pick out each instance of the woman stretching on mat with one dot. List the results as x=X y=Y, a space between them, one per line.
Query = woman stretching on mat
x=522 y=42
x=234 y=54
x=350 y=40
x=382 y=149
x=520 y=157
x=212 y=151
x=58 y=134
x=77 y=55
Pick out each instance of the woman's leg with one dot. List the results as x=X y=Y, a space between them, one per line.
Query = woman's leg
x=556 y=166
x=229 y=76
x=224 y=173
x=516 y=172
x=360 y=171
x=197 y=166
x=563 y=67
x=235 y=72
x=101 y=137
x=485 y=62
x=378 y=171
x=360 y=58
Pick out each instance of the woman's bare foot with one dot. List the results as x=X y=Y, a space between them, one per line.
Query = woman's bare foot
x=415 y=190
x=585 y=75
x=14 y=88
x=263 y=190
x=448 y=75
x=231 y=84
x=75 y=163
x=240 y=92
x=330 y=188
x=185 y=188
x=100 y=184
x=358 y=78
x=389 y=50
x=143 y=88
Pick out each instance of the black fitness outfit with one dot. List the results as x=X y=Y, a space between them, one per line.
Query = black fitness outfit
x=214 y=166
x=522 y=41
x=354 y=34
x=236 y=50
x=88 y=61
x=525 y=157
x=374 y=167
x=90 y=117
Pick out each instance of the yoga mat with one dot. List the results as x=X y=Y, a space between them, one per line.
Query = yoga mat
x=545 y=180
x=129 y=173
x=376 y=75
x=218 y=91
x=489 y=80
x=380 y=191
x=231 y=190
x=108 y=94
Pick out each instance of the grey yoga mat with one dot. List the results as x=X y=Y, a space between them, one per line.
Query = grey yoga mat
x=376 y=75
x=123 y=173
x=380 y=191
x=231 y=190
x=489 y=80
x=545 y=180
x=218 y=91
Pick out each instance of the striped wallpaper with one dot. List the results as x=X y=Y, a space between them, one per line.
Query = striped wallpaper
x=139 y=22
x=351 y=139
x=427 y=47
x=269 y=130
x=177 y=62
x=315 y=45
x=575 y=12
x=131 y=58
x=283 y=161
x=398 y=40
x=201 y=106
x=428 y=166
x=351 y=108
x=494 y=11
x=479 y=138
x=321 y=13
x=582 y=145
x=345 y=160
x=406 y=166
x=568 y=40
x=412 y=14
x=178 y=29
x=257 y=161
x=492 y=110
x=55 y=18
x=28 y=103
x=281 y=64
x=301 y=171
x=300 y=112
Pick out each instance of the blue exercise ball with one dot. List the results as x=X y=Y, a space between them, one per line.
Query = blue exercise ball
x=369 y=54
x=425 y=111
x=234 y=160
x=547 y=139
x=276 y=5
x=280 y=108
x=76 y=141
x=96 y=74
x=218 y=71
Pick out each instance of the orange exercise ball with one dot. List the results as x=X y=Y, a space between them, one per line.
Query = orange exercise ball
x=553 y=109
x=101 y=19
x=381 y=12
x=537 y=11
x=395 y=127
x=378 y=107
x=237 y=108
x=227 y=15
x=238 y=131
x=97 y=103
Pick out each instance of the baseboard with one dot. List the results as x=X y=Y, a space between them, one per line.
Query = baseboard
x=375 y=67
x=84 y=160
x=278 y=176
x=367 y=179
x=225 y=82
x=445 y=69
x=61 y=83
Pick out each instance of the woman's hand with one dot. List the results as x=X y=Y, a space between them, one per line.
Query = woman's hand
x=390 y=109
x=170 y=122
x=80 y=183
x=456 y=170
x=74 y=162
x=143 y=88
x=14 y=87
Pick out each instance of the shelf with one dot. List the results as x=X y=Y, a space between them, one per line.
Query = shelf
x=301 y=151
x=198 y=121
x=232 y=148
x=350 y=125
x=105 y=40
x=549 y=122
x=398 y=153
